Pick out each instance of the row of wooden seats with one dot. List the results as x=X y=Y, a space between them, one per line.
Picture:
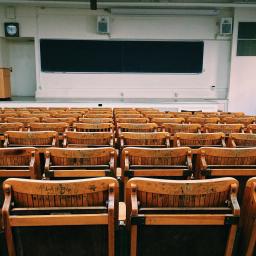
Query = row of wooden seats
x=45 y=139
x=205 y=214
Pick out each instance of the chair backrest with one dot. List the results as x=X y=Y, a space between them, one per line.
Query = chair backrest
x=159 y=115
x=67 y=115
x=10 y=127
x=248 y=221
x=203 y=120
x=78 y=162
x=198 y=140
x=37 y=139
x=132 y=120
x=225 y=128
x=90 y=202
x=151 y=139
x=136 y=127
x=251 y=128
x=57 y=127
x=242 y=140
x=99 y=115
x=95 y=120
x=69 y=120
x=128 y=115
x=160 y=121
x=238 y=120
x=161 y=206
x=161 y=162
x=23 y=120
x=174 y=128
x=85 y=139
x=98 y=127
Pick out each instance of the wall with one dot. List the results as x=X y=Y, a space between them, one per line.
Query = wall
x=243 y=76
x=81 y=24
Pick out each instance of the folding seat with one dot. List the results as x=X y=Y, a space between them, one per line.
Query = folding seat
x=238 y=120
x=161 y=121
x=59 y=127
x=173 y=128
x=77 y=217
x=88 y=139
x=80 y=162
x=95 y=120
x=69 y=120
x=136 y=127
x=203 y=120
x=225 y=128
x=188 y=217
x=24 y=120
x=68 y=115
x=132 y=120
x=145 y=139
x=241 y=140
x=151 y=162
x=93 y=127
x=248 y=219
x=4 y=127
x=196 y=140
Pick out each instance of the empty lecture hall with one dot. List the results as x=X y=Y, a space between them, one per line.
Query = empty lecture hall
x=127 y=128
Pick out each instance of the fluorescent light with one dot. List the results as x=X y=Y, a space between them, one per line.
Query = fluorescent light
x=148 y=11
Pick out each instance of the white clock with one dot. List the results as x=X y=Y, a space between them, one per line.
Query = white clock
x=11 y=29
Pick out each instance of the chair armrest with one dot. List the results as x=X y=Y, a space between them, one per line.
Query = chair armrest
x=32 y=165
x=6 y=141
x=65 y=141
x=233 y=198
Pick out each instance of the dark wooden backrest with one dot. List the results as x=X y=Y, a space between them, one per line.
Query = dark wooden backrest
x=89 y=138
x=248 y=219
x=58 y=127
x=136 y=127
x=152 y=156
x=98 y=195
x=195 y=139
x=174 y=128
x=95 y=120
x=132 y=120
x=39 y=138
x=10 y=127
x=203 y=120
x=225 y=128
x=89 y=127
x=144 y=139
x=242 y=140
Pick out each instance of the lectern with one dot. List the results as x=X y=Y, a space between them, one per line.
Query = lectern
x=5 y=85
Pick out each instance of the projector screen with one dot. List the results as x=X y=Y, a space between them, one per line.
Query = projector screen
x=121 y=56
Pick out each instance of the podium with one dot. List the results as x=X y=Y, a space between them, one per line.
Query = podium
x=5 y=84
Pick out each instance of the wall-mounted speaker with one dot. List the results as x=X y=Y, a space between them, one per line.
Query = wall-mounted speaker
x=226 y=26
x=103 y=24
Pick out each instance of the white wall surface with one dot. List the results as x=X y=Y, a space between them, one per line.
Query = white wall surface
x=81 y=24
x=243 y=71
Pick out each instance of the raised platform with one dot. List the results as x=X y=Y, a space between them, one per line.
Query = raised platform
x=162 y=104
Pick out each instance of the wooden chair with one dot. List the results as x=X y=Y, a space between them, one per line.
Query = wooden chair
x=136 y=127
x=195 y=140
x=158 y=115
x=238 y=120
x=80 y=163
x=161 y=162
x=40 y=115
x=174 y=128
x=62 y=217
x=132 y=120
x=225 y=128
x=95 y=120
x=68 y=115
x=98 y=115
x=57 y=127
x=239 y=163
x=161 y=121
x=169 y=217
x=98 y=127
x=203 y=120
x=128 y=115
x=24 y=120
x=3 y=116
x=88 y=139
x=145 y=139
x=69 y=120
x=248 y=219
x=241 y=140
x=251 y=128
x=40 y=139
x=4 y=127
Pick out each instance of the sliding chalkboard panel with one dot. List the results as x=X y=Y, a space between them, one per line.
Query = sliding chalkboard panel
x=121 y=56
